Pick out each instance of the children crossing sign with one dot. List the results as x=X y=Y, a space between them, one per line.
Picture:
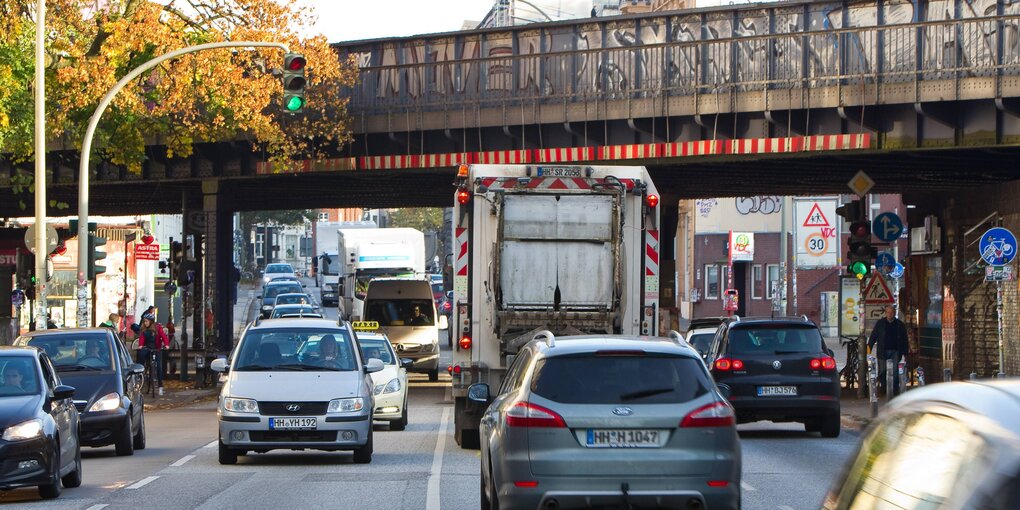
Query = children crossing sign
x=817 y=233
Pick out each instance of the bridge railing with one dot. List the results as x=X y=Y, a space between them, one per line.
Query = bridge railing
x=515 y=72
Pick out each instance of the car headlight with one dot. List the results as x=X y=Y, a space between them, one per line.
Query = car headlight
x=107 y=402
x=25 y=430
x=391 y=387
x=345 y=405
x=240 y=405
x=267 y=307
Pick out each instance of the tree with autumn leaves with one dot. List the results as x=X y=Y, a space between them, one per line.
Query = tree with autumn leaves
x=209 y=96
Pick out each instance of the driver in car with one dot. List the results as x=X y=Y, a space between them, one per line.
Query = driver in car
x=14 y=378
x=92 y=355
x=329 y=353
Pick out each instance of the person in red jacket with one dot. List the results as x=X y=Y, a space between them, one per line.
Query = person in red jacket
x=152 y=338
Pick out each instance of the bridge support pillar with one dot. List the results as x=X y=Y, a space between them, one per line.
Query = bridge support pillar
x=218 y=305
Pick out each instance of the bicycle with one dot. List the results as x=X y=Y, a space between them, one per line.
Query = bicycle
x=849 y=371
x=149 y=376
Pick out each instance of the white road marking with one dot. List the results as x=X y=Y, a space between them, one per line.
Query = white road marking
x=212 y=444
x=432 y=495
x=143 y=482
x=182 y=461
x=747 y=487
x=784 y=507
x=97 y=507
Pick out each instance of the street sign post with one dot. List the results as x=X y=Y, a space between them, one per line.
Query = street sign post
x=877 y=292
x=861 y=184
x=887 y=227
x=817 y=233
x=885 y=263
x=997 y=246
x=897 y=272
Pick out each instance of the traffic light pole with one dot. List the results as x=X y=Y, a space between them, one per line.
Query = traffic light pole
x=41 y=253
x=86 y=149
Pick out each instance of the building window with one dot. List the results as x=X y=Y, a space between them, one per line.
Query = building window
x=323 y=216
x=711 y=281
x=773 y=282
x=757 y=276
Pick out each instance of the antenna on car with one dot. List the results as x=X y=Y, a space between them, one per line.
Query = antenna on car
x=805 y=318
x=677 y=337
x=550 y=339
x=258 y=320
x=736 y=318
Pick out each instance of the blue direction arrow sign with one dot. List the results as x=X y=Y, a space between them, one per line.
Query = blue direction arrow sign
x=885 y=263
x=897 y=273
x=887 y=227
x=998 y=246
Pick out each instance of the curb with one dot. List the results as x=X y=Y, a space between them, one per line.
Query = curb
x=854 y=423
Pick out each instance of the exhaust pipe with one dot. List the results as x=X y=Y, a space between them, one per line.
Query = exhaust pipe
x=551 y=504
x=694 y=504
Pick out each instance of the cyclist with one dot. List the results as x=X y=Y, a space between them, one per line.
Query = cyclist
x=152 y=339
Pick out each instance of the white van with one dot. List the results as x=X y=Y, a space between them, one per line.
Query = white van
x=406 y=313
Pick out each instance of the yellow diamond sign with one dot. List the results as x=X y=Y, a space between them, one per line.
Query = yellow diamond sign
x=861 y=184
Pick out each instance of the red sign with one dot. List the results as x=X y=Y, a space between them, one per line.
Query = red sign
x=8 y=257
x=146 y=252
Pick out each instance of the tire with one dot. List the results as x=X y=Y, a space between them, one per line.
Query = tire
x=73 y=479
x=125 y=440
x=363 y=455
x=227 y=456
x=483 y=497
x=139 y=439
x=400 y=423
x=494 y=500
x=434 y=375
x=830 y=425
x=52 y=489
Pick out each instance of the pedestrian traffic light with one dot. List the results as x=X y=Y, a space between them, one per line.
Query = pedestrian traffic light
x=294 y=82
x=860 y=253
x=96 y=254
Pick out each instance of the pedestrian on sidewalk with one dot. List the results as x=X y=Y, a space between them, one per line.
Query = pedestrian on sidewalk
x=112 y=322
x=235 y=280
x=888 y=341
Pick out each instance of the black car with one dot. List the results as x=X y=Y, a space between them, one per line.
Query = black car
x=777 y=369
x=39 y=445
x=108 y=384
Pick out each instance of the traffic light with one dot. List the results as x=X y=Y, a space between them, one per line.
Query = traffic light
x=294 y=82
x=860 y=253
x=851 y=211
x=95 y=254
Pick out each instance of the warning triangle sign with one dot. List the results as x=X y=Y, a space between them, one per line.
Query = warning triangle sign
x=877 y=291
x=815 y=218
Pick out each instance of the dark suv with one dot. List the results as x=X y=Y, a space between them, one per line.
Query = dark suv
x=778 y=369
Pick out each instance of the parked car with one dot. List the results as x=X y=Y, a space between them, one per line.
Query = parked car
x=273 y=289
x=296 y=384
x=954 y=445
x=578 y=419
x=39 y=445
x=278 y=270
x=108 y=384
x=778 y=369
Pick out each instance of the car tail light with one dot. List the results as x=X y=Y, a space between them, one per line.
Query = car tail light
x=527 y=484
x=526 y=414
x=449 y=369
x=465 y=342
x=724 y=364
x=718 y=483
x=825 y=363
x=716 y=414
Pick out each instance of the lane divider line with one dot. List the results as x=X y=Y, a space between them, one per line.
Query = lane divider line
x=182 y=461
x=143 y=482
x=747 y=487
x=212 y=444
x=432 y=495
x=100 y=506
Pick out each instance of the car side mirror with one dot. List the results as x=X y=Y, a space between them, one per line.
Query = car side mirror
x=258 y=296
x=219 y=365
x=136 y=369
x=406 y=363
x=444 y=323
x=478 y=392
x=63 y=391
x=374 y=365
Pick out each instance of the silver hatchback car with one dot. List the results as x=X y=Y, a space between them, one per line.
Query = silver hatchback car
x=607 y=421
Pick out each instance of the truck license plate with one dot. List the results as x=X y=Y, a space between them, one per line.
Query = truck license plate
x=289 y=423
x=558 y=171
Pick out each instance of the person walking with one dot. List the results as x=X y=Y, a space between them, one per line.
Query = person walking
x=112 y=322
x=888 y=341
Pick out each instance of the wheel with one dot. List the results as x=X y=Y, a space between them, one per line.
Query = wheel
x=363 y=455
x=494 y=499
x=400 y=423
x=484 y=498
x=125 y=440
x=52 y=489
x=73 y=479
x=139 y=440
x=227 y=456
x=830 y=425
x=434 y=375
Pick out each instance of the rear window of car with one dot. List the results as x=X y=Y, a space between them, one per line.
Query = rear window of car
x=620 y=379
x=279 y=268
x=775 y=339
x=275 y=290
x=701 y=341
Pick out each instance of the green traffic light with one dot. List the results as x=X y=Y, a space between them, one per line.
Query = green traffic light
x=294 y=103
x=859 y=269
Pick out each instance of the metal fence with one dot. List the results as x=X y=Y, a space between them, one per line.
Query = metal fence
x=526 y=67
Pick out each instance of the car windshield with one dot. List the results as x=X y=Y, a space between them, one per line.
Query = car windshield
x=18 y=376
x=378 y=349
x=275 y=290
x=74 y=352
x=618 y=379
x=298 y=349
x=774 y=339
x=292 y=299
x=279 y=268
x=701 y=341
x=400 y=312
x=280 y=311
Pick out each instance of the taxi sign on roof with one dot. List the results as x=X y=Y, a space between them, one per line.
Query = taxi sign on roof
x=365 y=325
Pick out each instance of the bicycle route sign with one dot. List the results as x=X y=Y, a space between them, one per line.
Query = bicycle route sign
x=997 y=246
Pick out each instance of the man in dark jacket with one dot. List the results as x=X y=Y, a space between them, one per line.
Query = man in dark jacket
x=889 y=341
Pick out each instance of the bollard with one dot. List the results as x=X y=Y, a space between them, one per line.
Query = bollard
x=920 y=376
x=947 y=375
x=873 y=384
x=1000 y=375
x=901 y=372
x=973 y=376
x=890 y=374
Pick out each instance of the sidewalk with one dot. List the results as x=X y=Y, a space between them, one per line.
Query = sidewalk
x=245 y=307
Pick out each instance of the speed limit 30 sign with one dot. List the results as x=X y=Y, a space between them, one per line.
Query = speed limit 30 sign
x=817 y=232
